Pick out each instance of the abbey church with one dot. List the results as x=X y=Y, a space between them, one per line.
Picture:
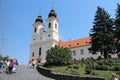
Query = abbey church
x=43 y=40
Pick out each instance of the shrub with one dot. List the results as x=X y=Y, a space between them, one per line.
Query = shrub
x=88 y=70
x=99 y=67
x=102 y=67
x=99 y=58
x=46 y=65
x=93 y=73
x=105 y=67
x=100 y=62
x=115 y=68
x=76 y=67
x=81 y=63
x=69 y=66
x=74 y=72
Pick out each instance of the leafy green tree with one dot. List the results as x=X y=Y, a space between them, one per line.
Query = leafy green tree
x=58 y=55
x=4 y=58
x=117 y=28
x=102 y=33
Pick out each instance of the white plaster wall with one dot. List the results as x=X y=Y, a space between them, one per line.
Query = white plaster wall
x=86 y=52
x=45 y=45
x=34 y=49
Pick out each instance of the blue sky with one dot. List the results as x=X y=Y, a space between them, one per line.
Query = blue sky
x=17 y=16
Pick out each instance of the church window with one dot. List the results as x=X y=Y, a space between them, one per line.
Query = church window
x=49 y=25
x=40 y=51
x=33 y=54
x=35 y=29
x=81 y=51
x=55 y=26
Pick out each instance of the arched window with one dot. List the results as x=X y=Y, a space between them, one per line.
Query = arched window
x=40 y=51
x=49 y=25
x=35 y=29
x=33 y=54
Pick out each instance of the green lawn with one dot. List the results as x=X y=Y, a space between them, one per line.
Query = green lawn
x=81 y=71
x=100 y=68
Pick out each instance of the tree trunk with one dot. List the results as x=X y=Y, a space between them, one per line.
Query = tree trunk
x=105 y=54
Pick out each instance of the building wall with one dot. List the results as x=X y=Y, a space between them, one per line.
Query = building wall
x=45 y=46
x=79 y=53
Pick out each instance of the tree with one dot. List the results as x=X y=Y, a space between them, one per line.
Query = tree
x=102 y=33
x=1 y=57
x=58 y=55
x=4 y=58
x=117 y=28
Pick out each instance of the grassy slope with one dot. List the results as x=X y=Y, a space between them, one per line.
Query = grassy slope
x=81 y=71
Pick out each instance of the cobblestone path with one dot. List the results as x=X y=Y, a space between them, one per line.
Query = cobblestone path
x=24 y=73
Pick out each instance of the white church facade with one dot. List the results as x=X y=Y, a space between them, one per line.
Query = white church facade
x=43 y=39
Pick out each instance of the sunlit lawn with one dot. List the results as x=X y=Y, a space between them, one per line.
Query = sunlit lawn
x=81 y=71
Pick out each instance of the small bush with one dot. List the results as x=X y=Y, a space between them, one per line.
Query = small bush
x=74 y=72
x=69 y=66
x=76 y=67
x=46 y=65
x=102 y=67
x=115 y=68
x=93 y=73
x=88 y=71
x=101 y=62
x=99 y=58
x=106 y=67
x=66 y=69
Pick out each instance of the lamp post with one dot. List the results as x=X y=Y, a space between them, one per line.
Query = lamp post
x=2 y=40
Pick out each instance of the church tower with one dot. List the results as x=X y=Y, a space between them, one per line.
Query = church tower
x=38 y=30
x=37 y=37
x=43 y=40
x=52 y=26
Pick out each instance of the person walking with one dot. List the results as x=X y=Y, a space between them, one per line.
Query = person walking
x=30 y=64
x=33 y=63
x=11 y=66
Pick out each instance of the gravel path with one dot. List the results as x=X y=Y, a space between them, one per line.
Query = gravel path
x=24 y=73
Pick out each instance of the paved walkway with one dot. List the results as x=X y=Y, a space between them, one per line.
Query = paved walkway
x=24 y=73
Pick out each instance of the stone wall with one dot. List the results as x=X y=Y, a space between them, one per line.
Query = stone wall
x=48 y=73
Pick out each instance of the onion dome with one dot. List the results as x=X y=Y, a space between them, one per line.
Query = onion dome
x=39 y=19
x=52 y=13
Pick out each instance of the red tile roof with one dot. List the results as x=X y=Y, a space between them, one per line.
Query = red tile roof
x=75 y=43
